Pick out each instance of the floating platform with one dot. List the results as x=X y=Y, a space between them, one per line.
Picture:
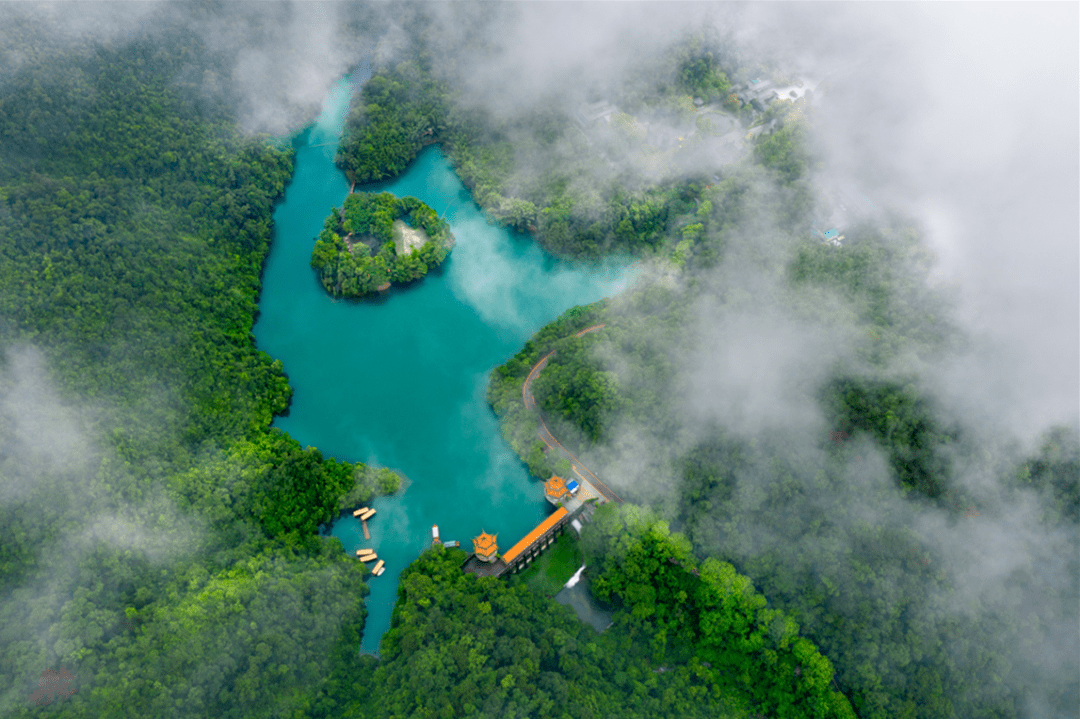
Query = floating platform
x=366 y=514
x=358 y=512
x=378 y=569
x=369 y=557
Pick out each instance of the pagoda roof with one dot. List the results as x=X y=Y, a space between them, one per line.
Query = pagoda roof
x=555 y=487
x=485 y=543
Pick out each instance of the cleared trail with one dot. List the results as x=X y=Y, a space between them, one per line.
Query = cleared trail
x=580 y=469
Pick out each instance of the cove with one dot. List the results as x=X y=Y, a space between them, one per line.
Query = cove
x=400 y=381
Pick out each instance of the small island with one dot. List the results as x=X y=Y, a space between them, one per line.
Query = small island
x=378 y=239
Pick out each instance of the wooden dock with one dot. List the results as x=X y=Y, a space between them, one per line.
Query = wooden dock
x=367 y=532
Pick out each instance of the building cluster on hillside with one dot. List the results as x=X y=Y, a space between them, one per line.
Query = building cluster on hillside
x=761 y=93
x=727 y=142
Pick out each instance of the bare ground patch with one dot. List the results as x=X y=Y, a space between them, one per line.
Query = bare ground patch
x=406 y=239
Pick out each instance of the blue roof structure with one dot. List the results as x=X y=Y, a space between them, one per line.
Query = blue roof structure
x=572 y=485
x=831 y=234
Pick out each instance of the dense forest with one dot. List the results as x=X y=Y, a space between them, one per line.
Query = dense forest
x=875 y=597
x=686 y=641
x=365 y=223
x=159 y=541
x=538 y=172
x=780 y=506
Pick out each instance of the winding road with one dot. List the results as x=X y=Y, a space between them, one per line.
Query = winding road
x=583 y=472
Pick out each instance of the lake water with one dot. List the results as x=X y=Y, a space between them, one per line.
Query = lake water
x=400 y=381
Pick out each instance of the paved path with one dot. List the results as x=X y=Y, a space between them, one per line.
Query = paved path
x=583 y=473
x=526 y=387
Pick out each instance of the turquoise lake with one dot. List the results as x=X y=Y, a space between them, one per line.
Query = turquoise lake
x=399 y=381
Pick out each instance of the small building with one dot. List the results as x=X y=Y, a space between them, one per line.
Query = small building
x=485 y=547
x=555 y=489
x=590 y=113
x=753 y=87
x=761 y=100
x=831 y=237
x=572 y=486
x=835 y=225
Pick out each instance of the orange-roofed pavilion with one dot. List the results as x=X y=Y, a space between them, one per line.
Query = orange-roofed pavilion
x=555 y=487
x=485 y=547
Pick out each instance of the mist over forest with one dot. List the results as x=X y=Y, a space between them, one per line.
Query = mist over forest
x=880 y=433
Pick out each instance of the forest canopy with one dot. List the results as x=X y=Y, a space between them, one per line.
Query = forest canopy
x=540 y=173
x=685 y=642
x=158 y=539
x=160 y=542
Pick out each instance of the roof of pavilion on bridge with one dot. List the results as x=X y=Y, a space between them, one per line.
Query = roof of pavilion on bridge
x=485 y=543
x=530 y=538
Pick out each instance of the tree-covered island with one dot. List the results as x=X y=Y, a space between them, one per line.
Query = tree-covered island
x=375 y=240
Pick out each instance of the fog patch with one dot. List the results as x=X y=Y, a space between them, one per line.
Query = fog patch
x=757 y=369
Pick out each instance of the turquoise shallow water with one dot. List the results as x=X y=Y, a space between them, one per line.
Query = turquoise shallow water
x=400 y=381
